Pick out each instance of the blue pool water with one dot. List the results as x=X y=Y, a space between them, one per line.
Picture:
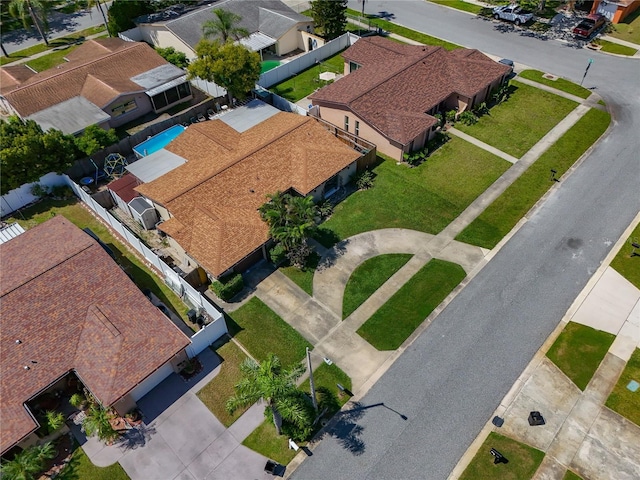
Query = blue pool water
x=158 y=141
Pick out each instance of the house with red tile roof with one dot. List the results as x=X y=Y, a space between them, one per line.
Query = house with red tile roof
x=390 y=92
x=70 y=315
x=210 y=203
x=106 y=82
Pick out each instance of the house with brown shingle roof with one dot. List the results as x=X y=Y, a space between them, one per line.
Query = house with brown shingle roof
x=210 y=203
x=69 y=314
x=107 y=82
x=390 y=91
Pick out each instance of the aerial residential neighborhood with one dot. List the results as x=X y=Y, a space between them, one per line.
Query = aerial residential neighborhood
x=319 y=239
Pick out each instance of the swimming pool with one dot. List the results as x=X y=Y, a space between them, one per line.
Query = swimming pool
x=158 y=141
x=268 y=65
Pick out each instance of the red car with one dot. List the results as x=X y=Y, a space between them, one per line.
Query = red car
x=589 y=25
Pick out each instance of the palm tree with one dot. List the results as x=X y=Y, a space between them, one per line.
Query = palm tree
x=276 y=386
x=28 y=463
x=98 y=421
x=31 y=11
x=290 y=218
x=224 y=26
x=98 y=3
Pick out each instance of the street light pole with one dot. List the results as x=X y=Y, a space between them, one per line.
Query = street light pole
x=311 y=383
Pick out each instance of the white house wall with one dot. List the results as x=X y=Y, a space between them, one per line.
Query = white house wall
x=160 y=36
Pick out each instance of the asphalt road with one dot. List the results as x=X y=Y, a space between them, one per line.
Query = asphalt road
x=450 y=380
x=60 y=24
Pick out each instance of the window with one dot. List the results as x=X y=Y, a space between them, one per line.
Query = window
x=357 y=130
x=123 y=108
x=353 y=66
x=346 y=123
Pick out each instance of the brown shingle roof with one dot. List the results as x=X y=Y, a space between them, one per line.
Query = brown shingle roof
x=98 y=70
x=214 y=197
x=12 y=76
x=398 y=84
x=72 y=308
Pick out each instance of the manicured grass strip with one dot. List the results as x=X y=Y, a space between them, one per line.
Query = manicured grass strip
x=81 y=468
x=628 y=29
x=216 y=393
x=523 y=460
x=578 y=352
x=616 y=48
x=261 y=331
x=56 y=43
x=329 y=376
x=404 y=31
x=308 y=81
x=303 y=277
x=571 y=476
x=459 y=5
x=425 y=198
x=368 y=277
x=624 y=263
x=517 y=124
x=77 y=214
x=502 y=215
x=409 y=306
x=560 y=83
x=265 y=441
x=623 y=400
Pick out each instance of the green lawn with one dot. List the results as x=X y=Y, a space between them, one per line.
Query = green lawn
x=624 y=263
x=516 y=125
x=502 y=215
x=265 y=441
x=408 y=307
x=459 y=5
x=368 y=277
x=623 y=400
x=404 y=31
x=578 y=352
x=79 y=215
x=303 y=277
x=616 y=48
x=571 y=476
x=261 y=331
x=560 y=83
x=329 y=376
x=425 y=198
x=308 y=81
x=523 y=460
x=56 y=43
x=216 y=393
x=52 y=59
x=81 y=468
x=629 y=29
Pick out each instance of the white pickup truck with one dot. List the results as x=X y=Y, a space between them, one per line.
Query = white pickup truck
x=512 y=13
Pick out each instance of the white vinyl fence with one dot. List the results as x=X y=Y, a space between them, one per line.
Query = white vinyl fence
x=211 y=332
x=21 y=196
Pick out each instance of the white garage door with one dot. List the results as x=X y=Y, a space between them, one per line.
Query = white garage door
x=151 y=382
x=607 y=9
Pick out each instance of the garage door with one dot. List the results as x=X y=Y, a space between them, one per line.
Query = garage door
x=151 y=382
x=607 y=9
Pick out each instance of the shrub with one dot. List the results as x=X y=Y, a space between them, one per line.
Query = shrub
x=438 y=116
x=61 y=192
x=277 y=254
x=39 y=190
x=468 y=118
x=437 y=141
x=364 y=180
x=325 y=209
x=55 y=420
x=179 y=59
x=451 y=116
x=228 y=287
x=481 y=109
x=77 y=400
x=298 y=255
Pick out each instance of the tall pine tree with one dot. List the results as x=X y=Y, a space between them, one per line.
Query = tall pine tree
x=330 y=16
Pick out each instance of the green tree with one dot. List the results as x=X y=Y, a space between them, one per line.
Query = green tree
x=179 y=59
x=122 y=13
x=28 y=463
x=98 y=422
x=32 y=12
x=276 y=385
x=330 y=16
x=224 y=26
x=232 y=66
x=27 y=153
x=291 y=219
x=94 y=139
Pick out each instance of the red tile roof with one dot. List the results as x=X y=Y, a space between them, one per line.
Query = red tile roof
x=214 y=197
x=397 y=84
x=72 y=308
x=98 y=70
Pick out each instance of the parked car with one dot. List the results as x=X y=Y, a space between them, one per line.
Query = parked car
x=589 y=25
x=512 y=13
x=508 y=63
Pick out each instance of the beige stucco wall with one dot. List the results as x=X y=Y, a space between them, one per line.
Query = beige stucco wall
x=143 y=107
x=292 y=39
x=304 y=40
x=163 y=212
x=344 y=176
x=159 y=36
x=29 y=441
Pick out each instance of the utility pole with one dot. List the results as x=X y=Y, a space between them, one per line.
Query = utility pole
x=311 y=383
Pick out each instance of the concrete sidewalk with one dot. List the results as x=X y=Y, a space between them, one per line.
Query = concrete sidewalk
x=580 y=434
